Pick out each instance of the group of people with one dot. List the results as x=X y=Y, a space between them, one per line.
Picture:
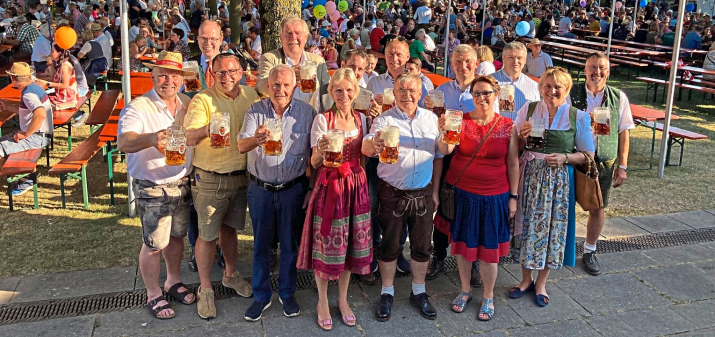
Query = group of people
x=509 y=199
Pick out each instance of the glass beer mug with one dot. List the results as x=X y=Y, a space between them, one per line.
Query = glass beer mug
x=192 y=83
x=437 y=97
x=274 y=145
x=452 y=127
x=308 y=77
x=176 y=145
x=363 y=101
x=388 y=99
x=601 y=121
x=391 y=135
x=334 y=152
x=220 y=130
x=506 y=98
x=536 y=140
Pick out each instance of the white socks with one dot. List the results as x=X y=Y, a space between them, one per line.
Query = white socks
x=388 y=290
x=418 y=288
x=588 y=248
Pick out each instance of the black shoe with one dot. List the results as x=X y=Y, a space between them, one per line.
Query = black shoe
x=421 y=301
x=384 y=308
x=192 y=263
x=403 y=266
x=274 y=259
x=221 y=262
x=255 y=311
x=476 y=279
x=435 y=267
x=290 y=306
x=591 y=263
x=368 y=279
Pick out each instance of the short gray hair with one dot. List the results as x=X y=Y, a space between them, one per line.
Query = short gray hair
x=515 y=46
x=465 y=49
x=380 y=23
x=420 y=33
x=282 y=67
x=294 y=19
x=408 y=78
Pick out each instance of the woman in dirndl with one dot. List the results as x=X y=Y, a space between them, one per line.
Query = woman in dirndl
x=544 y=230
x=337 y=235
x=485 y=188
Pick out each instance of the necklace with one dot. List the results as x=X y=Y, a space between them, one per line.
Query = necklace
x=484 y=121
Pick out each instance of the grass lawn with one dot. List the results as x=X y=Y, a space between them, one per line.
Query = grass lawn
x=52 y=239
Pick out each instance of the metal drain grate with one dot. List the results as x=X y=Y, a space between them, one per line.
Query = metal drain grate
x=104 y=303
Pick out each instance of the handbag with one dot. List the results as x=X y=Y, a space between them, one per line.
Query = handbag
x=446 y=192
x=588 y=190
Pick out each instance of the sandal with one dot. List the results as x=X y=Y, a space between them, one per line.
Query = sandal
x=542 y=300
x=156 y=310
x=326 y=324
x=516 y=292
x=460 y=302
x=180 y=296
x=349 y=320
x=486 y=310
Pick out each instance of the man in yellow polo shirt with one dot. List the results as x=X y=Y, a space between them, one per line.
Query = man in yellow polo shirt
x=219 y=179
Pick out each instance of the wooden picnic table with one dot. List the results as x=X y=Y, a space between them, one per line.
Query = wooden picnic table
x=103 y=107
x=604 y=46
x=151 y=57
x=141 y=85
x=136 y=74
x=642 y=116
x=647 y=45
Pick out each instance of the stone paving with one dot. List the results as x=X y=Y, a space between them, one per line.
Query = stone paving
x=656 y=292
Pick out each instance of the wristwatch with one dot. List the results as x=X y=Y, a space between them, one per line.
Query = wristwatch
x=623 y=167
x=567 y=158
x=513 y=196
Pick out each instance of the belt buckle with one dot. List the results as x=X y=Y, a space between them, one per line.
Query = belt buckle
x=278 y=187
x=173 y=185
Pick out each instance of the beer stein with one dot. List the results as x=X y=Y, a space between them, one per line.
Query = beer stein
x=601 y=121
x=220 y=130
x=274 y=145
x=437 y=98
x=506 y=98
x=308 y=77
x=363 y=101
x=333 y=156
x=176 y=145
x=536 y=140
x=192 y=83
x=391 y=135
x=452 y=127
x=388 y=99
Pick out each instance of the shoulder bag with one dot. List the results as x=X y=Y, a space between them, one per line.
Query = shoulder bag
x=588 y=190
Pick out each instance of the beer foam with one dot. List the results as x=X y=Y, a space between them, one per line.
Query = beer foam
x=506 y=92
x=335 y=142
x=536 y=132
x=388 y=99
x=601 y=116
x=275 y=135
x=452 y=124
x=391 y=136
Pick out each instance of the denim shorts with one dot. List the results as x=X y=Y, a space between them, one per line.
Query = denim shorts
x=8 y=145
x=163 y=211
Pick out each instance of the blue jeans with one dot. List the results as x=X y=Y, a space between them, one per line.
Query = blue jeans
x=193 y=228
x=569 y=35
x=8 y=145
x=272 y=212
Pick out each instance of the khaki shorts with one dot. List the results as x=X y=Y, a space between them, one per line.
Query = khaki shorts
x=219 y=199
x=605 y=178
x=163 y=211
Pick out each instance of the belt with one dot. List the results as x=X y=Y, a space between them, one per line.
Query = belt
x=276 y=187
x=174 y=184
x=230 y=174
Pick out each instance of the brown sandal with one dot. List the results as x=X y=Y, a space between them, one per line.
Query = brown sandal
x=154 y=311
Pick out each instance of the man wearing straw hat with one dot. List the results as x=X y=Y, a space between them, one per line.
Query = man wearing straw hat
x=162 y=191
x=26 y=36
x=35 y=115
x=537 y=61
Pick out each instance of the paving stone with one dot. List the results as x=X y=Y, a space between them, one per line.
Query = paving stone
x=454 y=324
x=574 y=327
x=72 y=326
x=405 y=321
x=561 y=307
x=658 y=223
x=698 y=333
x=515 y=270
x=682 y=283
x=610 y=293
x=496 y=333
x=76 y=283
x=624 y=261
x=619 y=227
x=441 y=285
x=224 y=329
x=187 y=276
x=646 y=322
x=139 y=321
x=308 y=298
x=7 y=288
x=581 y=231
x=695 y=219
x=307 y=325
x=700 y=313
x=711 y=211
x=403 y=288
x=679 y=254
x=708 y=267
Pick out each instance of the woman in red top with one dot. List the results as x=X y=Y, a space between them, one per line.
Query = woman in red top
x=485 y=195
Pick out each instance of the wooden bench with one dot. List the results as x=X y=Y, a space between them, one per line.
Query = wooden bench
x=74 y=165
x=655 y=82
x=677 y=136
x=109 y=135
x=62 y=119
x=103 y=108
x=18 y=166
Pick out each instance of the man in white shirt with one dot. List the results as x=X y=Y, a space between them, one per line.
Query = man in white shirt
x=162 y=191
x=308 y=13
x=565 y=26
x=423 y=15
x=103 y=41
x=253 y=43
x=134 y=30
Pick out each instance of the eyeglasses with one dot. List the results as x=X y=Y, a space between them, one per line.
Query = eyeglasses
x=482 y=94
x=230 y=72
x=404 y=91
x=207 y=39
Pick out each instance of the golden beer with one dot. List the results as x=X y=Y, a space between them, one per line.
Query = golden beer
x=601 y=121
x=334 y=152
x=273 y=147
x=274 y=144
x=308 y=86
x=220 y=130
x=175 y=158
x=175 y=151
x=391 y=136
x=452 y=127
x=308 y=77
x=191 y=85
x=219 y=141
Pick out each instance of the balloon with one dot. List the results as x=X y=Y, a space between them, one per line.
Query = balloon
x=319 y=2
x=330 y=6
x=318 y=10
x=522 y=28
x=305 y=4
x=342 y=6
x=475 y=5
x=583 y=3
x=65 y=37
x=334 y=16
x=334 y=24
x=673 y=22
x=689 y=7
x=619 y=5
x=643 y=3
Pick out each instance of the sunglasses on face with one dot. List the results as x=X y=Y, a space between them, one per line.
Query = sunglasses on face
x=482 y=94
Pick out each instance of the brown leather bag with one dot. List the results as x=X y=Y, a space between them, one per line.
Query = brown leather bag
x=588 y=190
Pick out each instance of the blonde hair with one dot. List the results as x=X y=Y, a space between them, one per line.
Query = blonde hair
x=343 y=74
x=484 y=54
x=87 y=35
x=561 y=76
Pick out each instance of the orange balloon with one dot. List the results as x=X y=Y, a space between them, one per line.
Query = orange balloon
x=65 y=37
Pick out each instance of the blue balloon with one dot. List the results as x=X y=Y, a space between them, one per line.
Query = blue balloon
x=689 y=7
x=522 y=28
x=319 y=2
x=305 y=4
x=643 y=3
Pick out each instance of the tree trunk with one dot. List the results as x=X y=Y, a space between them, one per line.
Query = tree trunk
x=211 y=6
x=272 y=13
x=235 y=12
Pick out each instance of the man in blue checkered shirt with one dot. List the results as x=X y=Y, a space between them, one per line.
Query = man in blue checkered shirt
x=26 y=36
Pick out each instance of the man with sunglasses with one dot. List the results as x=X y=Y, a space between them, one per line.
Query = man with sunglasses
x=595 y=93
x=219 y=179
x=525 y=89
